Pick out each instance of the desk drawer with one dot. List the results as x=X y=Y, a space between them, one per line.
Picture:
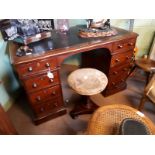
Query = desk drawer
x=45 y=94
x=121 y=58
x=125 y=45
x=113 y=82
x=115 y=89
x=118 y=70
x=36 y=66
x=47 y=107
x=40 y=81
x=118 y=76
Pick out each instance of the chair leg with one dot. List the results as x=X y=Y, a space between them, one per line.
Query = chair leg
x=142 y=102
x=132 y=70
x=147 y=78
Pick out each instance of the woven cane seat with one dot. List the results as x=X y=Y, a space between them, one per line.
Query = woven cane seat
x=87 y=81
x=106 y=120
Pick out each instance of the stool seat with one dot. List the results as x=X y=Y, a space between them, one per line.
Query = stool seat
x=87 y=81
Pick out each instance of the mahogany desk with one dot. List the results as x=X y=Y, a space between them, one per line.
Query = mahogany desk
x=112 y=55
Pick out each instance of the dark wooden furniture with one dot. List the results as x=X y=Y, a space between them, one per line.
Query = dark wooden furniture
x=147 y=65
x=112 y=55
x=6 y=126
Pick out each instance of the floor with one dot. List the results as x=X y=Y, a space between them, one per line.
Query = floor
x=65 y=125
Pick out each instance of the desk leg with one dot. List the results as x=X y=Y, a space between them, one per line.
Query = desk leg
x=86 y=106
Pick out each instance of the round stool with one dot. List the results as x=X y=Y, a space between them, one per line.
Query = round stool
x=86 y=82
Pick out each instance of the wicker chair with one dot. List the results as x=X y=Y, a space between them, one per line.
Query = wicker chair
x=106 y=120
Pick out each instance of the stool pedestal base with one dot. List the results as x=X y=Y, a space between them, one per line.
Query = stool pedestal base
x=85 y=107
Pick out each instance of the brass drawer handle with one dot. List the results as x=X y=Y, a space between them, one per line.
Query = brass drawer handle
x=127 y=57
x=42 y=109
x=56 y=104
x=53 y=93
x=47 y=64
x=130 y=44
x=30 y=69
x=38 y=98
x=116 y=86
x=34 y=85
x=117 y=60
x=113 y=83
x=115 y=73
x=122 y=80
x=125 y=69
x=120 y=46
x=132 y=58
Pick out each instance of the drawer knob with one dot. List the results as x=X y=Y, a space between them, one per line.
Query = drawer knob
x=120 y=46
x=122 y=80
x=127 y=57
x=34 y=85
x=117 y=60
x=30 y=69
x=130 y=44
x=53 y=93
x=42 y=109
x=47 y=64
x=132 y=58
x=116 y=86
x=113 y=83
x=38 y=98
x=115 y=73
x=125 y=69
x=56 y=104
